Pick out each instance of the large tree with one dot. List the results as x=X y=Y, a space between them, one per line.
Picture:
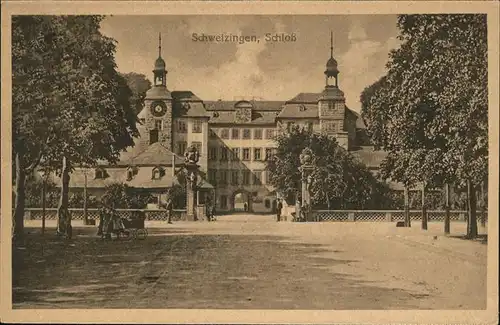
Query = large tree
x=338 y=179
x=139 y=85
x=67 y=89
x=430 y=110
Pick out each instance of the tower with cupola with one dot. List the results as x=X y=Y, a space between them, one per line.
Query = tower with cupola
x=331 y=105
x=158 y=106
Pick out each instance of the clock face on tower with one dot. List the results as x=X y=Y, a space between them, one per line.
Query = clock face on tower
x=158 y=109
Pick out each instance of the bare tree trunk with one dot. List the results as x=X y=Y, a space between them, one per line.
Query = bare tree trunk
x=424 y=207
x=471 y=213
x=43 y=204
x=328 y=201
x=63 y=215
x=18 y=220
x=447 y=209
x=483 y=205
x=85 y=216
x=407 y=208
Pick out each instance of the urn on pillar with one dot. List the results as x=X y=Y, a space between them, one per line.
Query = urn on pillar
x=191 y=163
x=306 y=168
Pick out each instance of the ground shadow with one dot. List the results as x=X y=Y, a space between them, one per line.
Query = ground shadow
x=178 y=269
x=483 y=238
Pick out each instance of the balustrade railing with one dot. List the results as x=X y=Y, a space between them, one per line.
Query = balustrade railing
x=93 y=214
x=387 y=215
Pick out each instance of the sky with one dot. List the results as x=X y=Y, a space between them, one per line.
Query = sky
x=264 y=69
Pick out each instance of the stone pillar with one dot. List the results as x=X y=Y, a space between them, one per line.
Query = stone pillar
x=306 y=169
x=192 y=156
x=191 y=182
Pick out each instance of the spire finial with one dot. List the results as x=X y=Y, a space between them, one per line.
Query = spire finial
x=159 y=45
x=331 y=44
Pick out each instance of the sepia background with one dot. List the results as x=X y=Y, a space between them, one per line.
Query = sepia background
x=265 y=55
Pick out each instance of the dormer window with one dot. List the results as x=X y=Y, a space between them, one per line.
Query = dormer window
x=158 y=172
x=100 y=173
x=131 y=172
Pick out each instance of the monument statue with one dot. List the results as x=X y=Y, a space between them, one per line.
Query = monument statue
x=306 y=157
x=192 y=155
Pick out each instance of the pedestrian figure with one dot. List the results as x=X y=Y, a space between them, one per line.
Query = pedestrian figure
x=212 y=212
x=208 y=211
x=169 y=210
x=245 y=207
x=278 y=210
x=303 y=212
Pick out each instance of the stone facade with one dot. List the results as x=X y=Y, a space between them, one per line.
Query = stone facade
x=234 y=139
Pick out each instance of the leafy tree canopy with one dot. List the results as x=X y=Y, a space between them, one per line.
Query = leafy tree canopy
x=430 y=110
x=338 y=179
x=139 y=85
x=68 y=98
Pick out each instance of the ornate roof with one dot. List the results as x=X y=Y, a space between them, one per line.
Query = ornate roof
x=305 y=98
x=155 y=154
x=299 y=111
x=160 y=64
x=332 y=92
x=224 y=105
x=229 y=117
x=158 y=92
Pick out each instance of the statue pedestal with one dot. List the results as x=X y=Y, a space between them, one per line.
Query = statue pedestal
x=191 y=184
x=306 y=171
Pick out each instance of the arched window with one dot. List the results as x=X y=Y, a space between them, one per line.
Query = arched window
x=131 y=172
x=158 y=172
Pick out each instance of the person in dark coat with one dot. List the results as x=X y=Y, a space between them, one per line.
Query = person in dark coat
x=169 y=208
x=279 y=207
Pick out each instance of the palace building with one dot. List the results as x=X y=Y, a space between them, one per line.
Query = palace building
x=234 y=139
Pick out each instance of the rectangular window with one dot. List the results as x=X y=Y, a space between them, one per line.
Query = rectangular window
x=222 y=177
x=257 y=134
x=181 y=147
x=246 y=154
x=198 y=147
x=153 y=136
x=158 y=124
x=257 y=154
x=310 y=127
x=266 y=177
x=246 y=133
x=223 y=153
x=212 y=153
x=235 y=134
x=235 y=177
x=246 y=177
x=331 y=127
x=223 y=202
x=289 y=126
x=269 y=153
x=236 y=154
x=257 y=177
x=181 y=127
x=212 y=133
x=224 y=133
x=197 y=126
x=212 y=176
x=270 y=134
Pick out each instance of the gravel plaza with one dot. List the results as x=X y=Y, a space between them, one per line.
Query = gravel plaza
x=253 y=262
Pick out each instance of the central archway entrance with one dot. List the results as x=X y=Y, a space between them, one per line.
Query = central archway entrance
x=241 y=201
